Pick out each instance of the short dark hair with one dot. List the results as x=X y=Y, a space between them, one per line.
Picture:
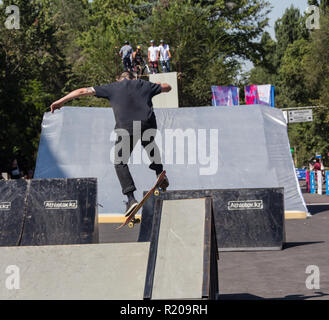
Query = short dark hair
x=126 y=75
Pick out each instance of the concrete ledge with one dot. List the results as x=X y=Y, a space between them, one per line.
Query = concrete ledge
x=289 y=215
x=114 y=218
x=119 y=218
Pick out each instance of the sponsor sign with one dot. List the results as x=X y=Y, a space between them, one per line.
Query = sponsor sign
x=5 y=206
x=301 y=174
x=305 y=115
x=245 y=205
x=63 y=204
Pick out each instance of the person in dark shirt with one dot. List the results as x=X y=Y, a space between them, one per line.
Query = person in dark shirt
x=131 y=101
x=125 y=54
x=317 y=165
x=138 y=61
x=14 y=170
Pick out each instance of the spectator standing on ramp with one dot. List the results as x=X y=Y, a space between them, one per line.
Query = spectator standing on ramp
x=153 y=57
x=131 y=101
x=125 y=53
x=164 y=55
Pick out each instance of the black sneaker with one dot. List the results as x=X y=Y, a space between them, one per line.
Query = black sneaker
x=164 y=184
x=130 y=206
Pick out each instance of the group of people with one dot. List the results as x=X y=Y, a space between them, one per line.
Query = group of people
x=316 y=166
x=134 y=61
x=15 y=172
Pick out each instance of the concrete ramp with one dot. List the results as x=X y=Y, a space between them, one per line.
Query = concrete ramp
x=99 y=271
x=180 y=262
x=183 y=253
x=244 y=219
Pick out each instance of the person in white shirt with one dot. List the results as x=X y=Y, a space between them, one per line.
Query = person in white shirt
x=164 y=55
x=153 y=57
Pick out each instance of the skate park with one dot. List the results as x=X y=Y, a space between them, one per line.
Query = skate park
x=223 y=230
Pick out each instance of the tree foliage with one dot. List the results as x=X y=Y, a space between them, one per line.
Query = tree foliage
x=297 y=64
x=62 y=45
x=33 y=70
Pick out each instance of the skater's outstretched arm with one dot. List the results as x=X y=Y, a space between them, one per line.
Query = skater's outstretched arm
x=72 y=95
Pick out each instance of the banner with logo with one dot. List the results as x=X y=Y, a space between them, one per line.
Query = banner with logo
x=301 y=174
x=225 y=96
x=312 y=182
x=260 y=94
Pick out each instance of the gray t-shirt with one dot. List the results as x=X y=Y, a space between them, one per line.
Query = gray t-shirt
x=126 y=51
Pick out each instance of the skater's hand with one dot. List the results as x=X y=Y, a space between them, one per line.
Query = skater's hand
x=56 y=105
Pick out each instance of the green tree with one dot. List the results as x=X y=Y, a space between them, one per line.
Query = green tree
x=317 y=68
x=294 y=89
x=317 y=80
x=323 y=4
x=62 y=45
x=33 y=70
x=288 y=29
x=207 y=39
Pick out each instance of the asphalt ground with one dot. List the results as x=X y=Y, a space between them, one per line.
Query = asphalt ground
x=278 y=275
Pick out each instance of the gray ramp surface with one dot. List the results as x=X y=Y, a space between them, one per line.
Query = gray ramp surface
x=99 y=271
x=224 y=148
x=179 y=264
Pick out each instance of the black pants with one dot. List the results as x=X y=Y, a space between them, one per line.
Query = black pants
x=123 y=152
x=126 y=64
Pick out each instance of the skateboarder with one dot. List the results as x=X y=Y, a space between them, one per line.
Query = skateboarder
x=131 y=101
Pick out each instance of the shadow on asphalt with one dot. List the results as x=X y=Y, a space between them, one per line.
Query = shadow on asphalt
x=289 y=245
x=315 y=209
x=248 y=296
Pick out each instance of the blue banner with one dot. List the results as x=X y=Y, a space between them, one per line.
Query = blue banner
x=327 y=183
x=312 y=182
x=301 y=174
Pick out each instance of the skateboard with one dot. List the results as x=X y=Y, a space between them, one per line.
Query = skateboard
x=130 y=220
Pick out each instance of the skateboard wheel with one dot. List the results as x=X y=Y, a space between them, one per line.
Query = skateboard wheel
x=156 y=192
x=131 y=225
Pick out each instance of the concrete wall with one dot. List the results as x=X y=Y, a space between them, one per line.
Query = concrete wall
x=170 y=99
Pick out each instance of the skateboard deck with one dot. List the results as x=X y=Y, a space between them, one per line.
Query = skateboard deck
x=154 y=190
